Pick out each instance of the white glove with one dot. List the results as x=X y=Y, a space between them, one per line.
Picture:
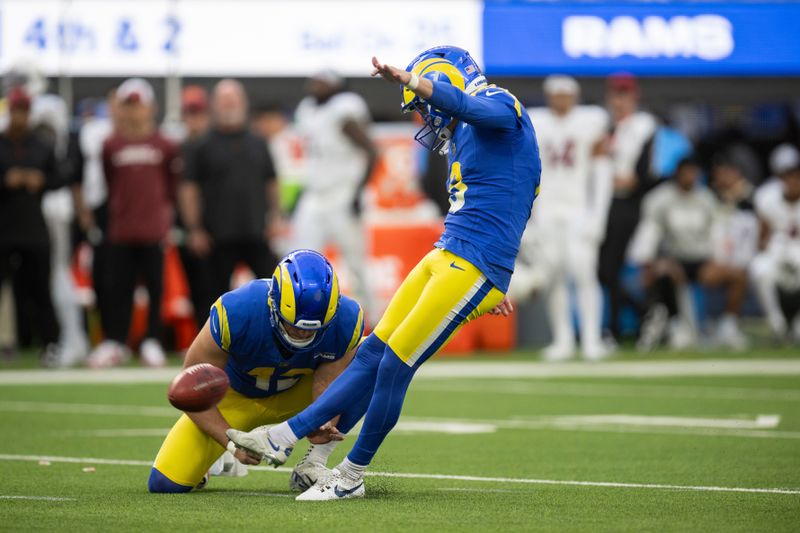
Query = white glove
x=254 y=441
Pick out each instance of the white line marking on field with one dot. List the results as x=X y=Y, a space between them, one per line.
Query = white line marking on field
x=761 y=421
x=240 y=493
x=465 y=489
x=88 y=408
x=456 y=370
x=37 y=498
x=608 y=484
x=616 y=390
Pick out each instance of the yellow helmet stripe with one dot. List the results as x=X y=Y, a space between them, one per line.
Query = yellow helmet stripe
x=438 y=65
x=333 y=301
x=288 y=309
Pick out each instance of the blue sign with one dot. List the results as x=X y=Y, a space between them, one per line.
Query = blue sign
x=678 y=39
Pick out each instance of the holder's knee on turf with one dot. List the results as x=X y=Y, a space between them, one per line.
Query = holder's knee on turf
x=159 y=483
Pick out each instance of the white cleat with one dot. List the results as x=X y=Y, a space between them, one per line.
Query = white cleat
x=152 y=353
x=108 y=354
x=258 y=442
x=558 y=352
x=598 y=352
x=306 y=474
x=336 y=486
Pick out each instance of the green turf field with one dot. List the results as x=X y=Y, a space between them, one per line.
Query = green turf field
x=568 y=453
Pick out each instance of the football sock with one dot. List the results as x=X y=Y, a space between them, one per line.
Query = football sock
x=393 y=379
x=558 y=309
x=590 y=305
x=357 y=380
x=319 y=453
x=283 y=435
x=350 y=469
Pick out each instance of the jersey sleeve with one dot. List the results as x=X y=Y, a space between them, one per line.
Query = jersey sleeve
x=230 y=321
x=491 y=108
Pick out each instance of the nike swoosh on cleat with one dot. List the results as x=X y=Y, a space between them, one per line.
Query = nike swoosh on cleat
x=342 y=493
x=454 y=265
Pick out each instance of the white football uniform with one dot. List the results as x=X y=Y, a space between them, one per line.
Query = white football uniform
x=334 y=168
x=569 y=218
x=778 y=266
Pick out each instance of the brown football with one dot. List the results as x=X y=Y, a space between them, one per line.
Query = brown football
x=198 y=388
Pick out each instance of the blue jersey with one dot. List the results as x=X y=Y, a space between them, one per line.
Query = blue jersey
x=258 y=365
x=494 y=177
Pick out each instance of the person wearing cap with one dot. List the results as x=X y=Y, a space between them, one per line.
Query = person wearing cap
x=229 y=197
x=141 y=168
x=775 y=271
x=569 y=224
x=340 y=157
x=195 y=121
x=631 y=130
x=27 y=170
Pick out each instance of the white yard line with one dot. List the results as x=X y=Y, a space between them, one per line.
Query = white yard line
x=616 y=390
x=37 y=498
x=525 y=481
x=87 y=409
x=457 y=369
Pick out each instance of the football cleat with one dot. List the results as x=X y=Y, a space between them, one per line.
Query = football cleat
x=336 y=486
x=152 y=353
x=108 y=354
x=557 y=352
x=259 y=443
x=306 y=473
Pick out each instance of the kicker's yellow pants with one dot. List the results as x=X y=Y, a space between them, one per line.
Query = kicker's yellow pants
x=187 y=453
x=441 y=294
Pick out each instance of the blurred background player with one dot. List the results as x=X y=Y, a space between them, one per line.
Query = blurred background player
x=49 y=121
x=27 y=169
x=281 y=341
x=341 y=156
x=631 y=129
x=99 y=122
x=776 y=269
x=674 y=244
x=229 y=197
x=570 y=220
x=142 y=169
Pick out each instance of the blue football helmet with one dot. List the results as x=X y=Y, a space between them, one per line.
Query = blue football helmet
x=448 y=64
x=305 y=295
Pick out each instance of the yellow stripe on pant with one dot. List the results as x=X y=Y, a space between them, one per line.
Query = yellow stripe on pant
x=187 y=453
x=441 y=294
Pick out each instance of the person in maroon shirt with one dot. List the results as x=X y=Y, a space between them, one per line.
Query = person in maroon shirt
x=142 y=169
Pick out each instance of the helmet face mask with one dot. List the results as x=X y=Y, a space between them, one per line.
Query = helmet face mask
x=304 y=297
x=447 y=64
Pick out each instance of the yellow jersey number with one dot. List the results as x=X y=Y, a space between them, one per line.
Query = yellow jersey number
x=457 y=188
x=266 y=377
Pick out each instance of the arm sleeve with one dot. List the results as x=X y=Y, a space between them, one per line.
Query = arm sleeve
x=493 y=108
x=351 y=327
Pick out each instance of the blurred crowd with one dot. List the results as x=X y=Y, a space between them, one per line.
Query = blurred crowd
x=680 y=247
x=205 y=187
x=633 y=235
